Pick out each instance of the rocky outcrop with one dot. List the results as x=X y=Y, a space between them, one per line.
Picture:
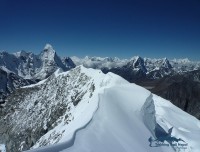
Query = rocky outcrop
x=67 y=61
x=183 y=90
x=9 y=81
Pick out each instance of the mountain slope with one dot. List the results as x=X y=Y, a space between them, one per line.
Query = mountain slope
x=32 y=111
x=182 y=90
x=86 y=110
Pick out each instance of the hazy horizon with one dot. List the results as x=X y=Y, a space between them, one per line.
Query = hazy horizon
x=134 y=55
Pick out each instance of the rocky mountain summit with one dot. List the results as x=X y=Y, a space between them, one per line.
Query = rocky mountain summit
x=23 y=68
x=138 y=68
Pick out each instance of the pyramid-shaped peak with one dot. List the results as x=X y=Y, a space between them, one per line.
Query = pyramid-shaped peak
x=48 y=52
x=165 y=59
x=48 y=47
x=135 y=58
x=166 y=63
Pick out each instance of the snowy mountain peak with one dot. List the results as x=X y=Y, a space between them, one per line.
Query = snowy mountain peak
x=48 y=52
x=135 y=58
x=51 y=62
x=137 y=63
x=48 y=47
x=166 y=63
x=86 y=110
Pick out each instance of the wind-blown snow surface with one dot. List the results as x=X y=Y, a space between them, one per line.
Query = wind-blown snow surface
x=120 y=117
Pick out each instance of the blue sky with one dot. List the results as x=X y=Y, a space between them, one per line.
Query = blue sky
x=123 y=28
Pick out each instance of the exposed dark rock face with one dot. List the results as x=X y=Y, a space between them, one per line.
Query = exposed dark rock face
x=9 y=81
x=67 y=61
x=138 y=70
x=182 y=90
x=133 y=71
x=127 y=73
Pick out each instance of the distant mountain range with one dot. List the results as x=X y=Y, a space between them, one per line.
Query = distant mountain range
x=137 y=67
x=46 y=99
x=25 y=68
x=177 y=80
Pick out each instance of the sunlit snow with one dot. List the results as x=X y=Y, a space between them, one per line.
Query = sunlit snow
x=121 y=117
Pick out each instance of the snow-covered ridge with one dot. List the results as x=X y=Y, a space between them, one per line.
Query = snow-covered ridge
x=103 y=109
x=86 y=110
x=88 y=107
x=63 y=97
x=123 y=118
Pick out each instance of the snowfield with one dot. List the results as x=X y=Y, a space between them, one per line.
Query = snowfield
x=121 y=116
